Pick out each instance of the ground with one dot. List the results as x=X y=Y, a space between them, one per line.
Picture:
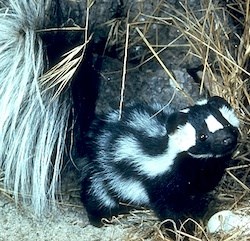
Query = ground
x=66 y=223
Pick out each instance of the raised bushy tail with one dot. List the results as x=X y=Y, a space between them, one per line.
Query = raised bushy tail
x=32 y=123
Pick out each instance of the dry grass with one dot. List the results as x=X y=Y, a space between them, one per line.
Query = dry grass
x=224 y=53
x=60 y=75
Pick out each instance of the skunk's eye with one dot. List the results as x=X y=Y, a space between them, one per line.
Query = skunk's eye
x=203 y=137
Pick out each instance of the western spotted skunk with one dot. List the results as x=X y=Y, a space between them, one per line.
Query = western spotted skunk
x=167 y=162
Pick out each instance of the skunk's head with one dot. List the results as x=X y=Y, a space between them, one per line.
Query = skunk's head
x=207 y=129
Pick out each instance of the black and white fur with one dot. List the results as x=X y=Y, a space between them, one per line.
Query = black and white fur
x=167 y=162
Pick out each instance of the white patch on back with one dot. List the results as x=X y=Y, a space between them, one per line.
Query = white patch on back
x=166 y=109
x=213 y=125
x=230 y=116
x=128 y=148
x=202 y=102
x=141 y=121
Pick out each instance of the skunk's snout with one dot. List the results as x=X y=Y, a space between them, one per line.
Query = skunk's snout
x=226 y=139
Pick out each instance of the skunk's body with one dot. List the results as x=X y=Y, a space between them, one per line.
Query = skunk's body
x=167 y=162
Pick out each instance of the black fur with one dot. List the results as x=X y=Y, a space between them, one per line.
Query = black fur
x=126 y=159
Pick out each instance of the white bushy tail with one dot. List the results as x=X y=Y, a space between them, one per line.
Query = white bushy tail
x=32 y=126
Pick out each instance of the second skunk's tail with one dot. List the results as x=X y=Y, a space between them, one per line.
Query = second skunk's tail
x=32 y=127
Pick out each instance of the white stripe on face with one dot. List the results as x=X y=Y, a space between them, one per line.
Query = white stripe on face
x=230 y=116
x=213 y=125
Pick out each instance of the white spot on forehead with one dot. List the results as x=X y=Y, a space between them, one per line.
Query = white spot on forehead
x=230 y=116
x=213 y=125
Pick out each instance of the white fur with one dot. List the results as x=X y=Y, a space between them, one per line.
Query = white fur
x=125 y=189
x=166 y=109
x=183 y=139
x=98 y=190
x=186 y=110
x=230 y=116
x=32 y=126
x=202 y=102
x=128 y=148
x=104 y=139
x=213 y=124
x=200 y=156
x=113 y=116
x=142 y=121
x=130 y=189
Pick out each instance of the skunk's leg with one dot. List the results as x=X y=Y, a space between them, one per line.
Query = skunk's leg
x=97 y=201
x=179 y=208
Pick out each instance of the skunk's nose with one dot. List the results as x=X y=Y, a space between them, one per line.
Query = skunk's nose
x=226 y=139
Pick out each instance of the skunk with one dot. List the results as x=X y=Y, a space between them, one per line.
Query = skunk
x=167 y=161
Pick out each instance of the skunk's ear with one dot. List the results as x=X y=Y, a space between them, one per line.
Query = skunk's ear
x=218 y=102
x=176 y=119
